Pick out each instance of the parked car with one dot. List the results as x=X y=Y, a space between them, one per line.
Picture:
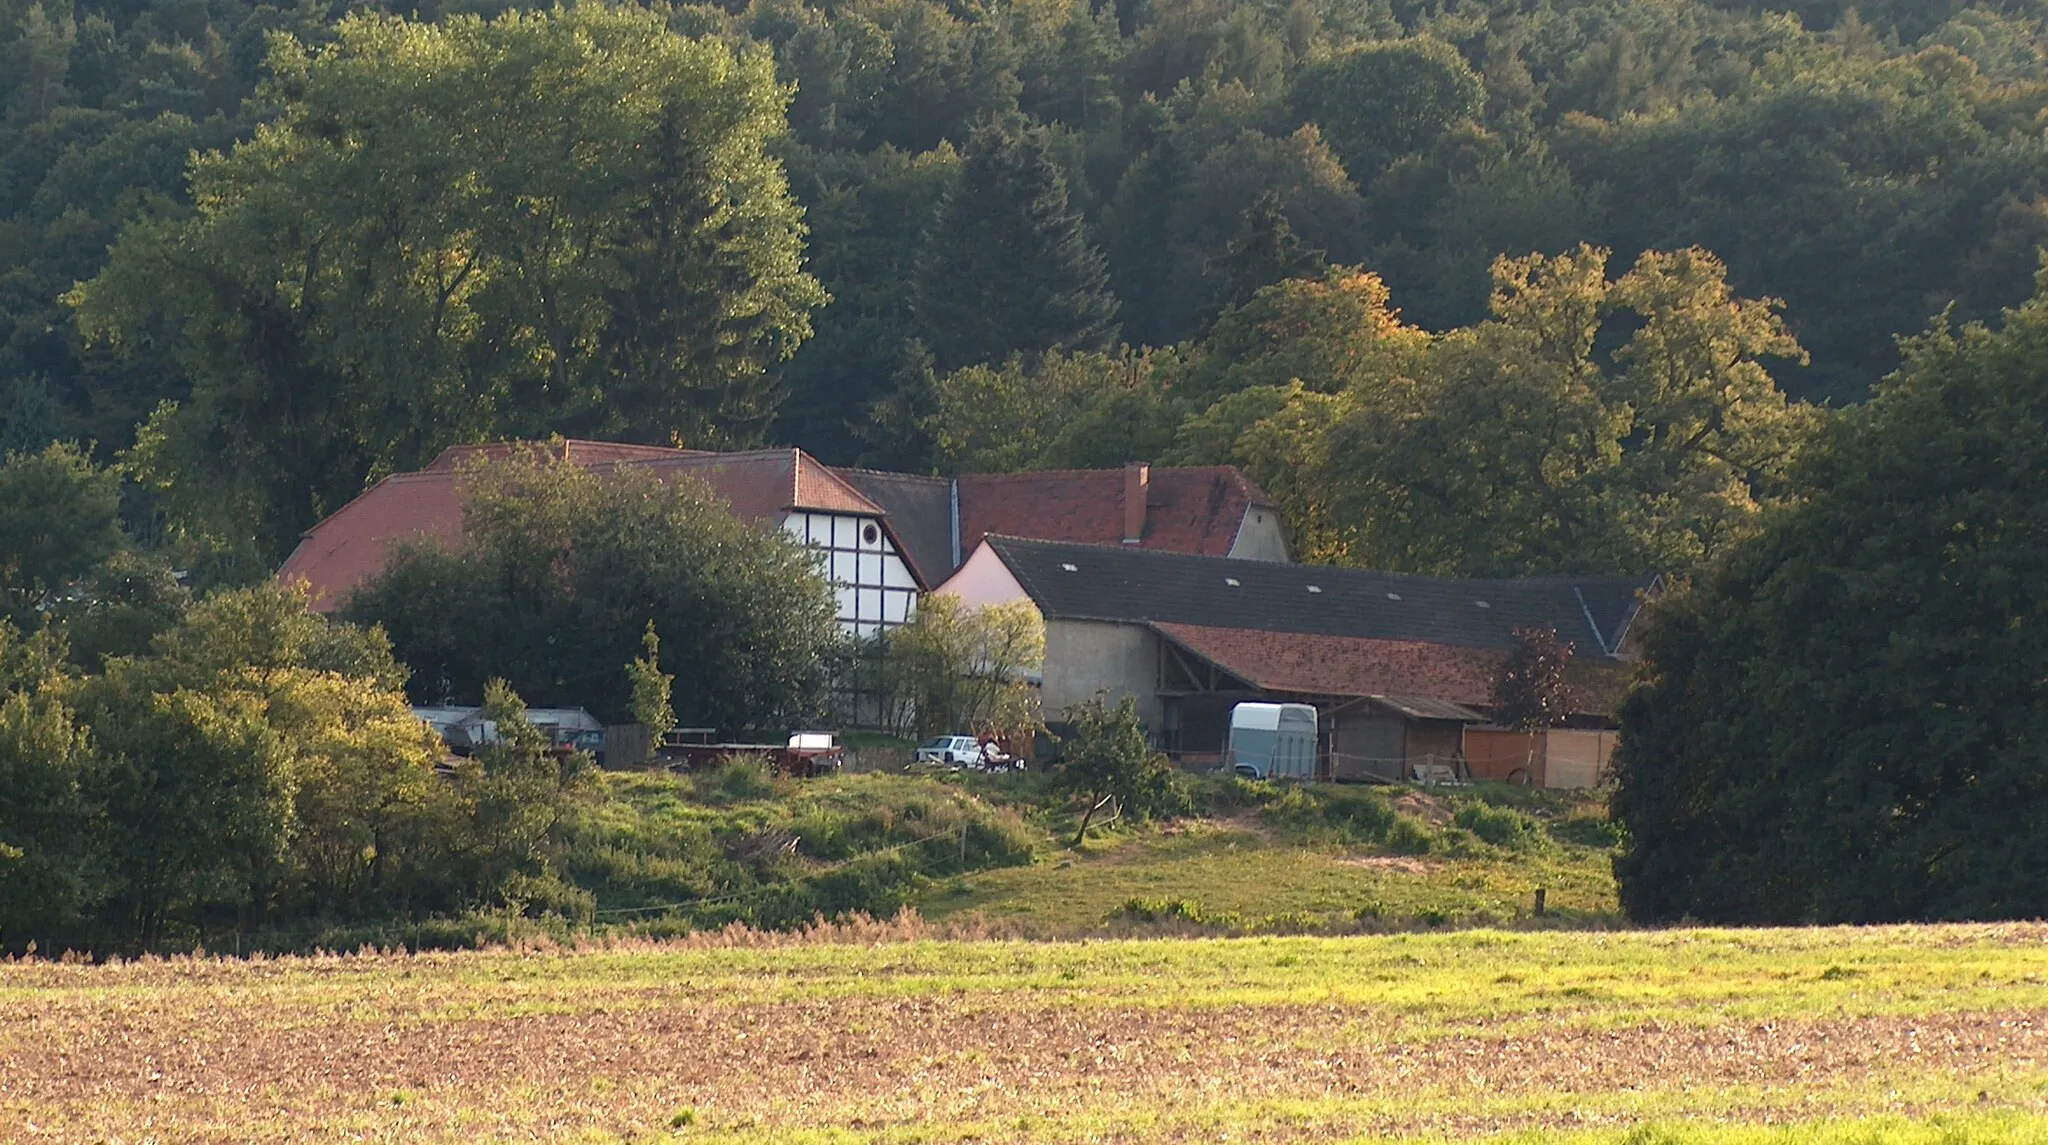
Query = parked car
x=961 y=751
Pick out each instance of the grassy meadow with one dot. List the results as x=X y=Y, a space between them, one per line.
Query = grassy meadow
x=881 y=1032
x=1234 y=875
x=663 y=855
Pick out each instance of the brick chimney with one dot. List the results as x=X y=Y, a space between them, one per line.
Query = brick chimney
x=1137 y=482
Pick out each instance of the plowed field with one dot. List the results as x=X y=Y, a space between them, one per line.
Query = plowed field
x=850 y=1038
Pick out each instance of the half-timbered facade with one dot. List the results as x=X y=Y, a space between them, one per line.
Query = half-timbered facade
x=873 y=584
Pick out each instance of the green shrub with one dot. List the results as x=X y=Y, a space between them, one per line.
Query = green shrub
x=1409 y=836
x=1236 y=793
x=1588 y=831
x=1500 y=826
x=546 y=895
x=1176 y=910
x=737 y=779
x=1160 y=910
x=1337 y=815
x=716 y=850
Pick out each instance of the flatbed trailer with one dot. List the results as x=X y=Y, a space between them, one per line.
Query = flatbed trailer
x=807 y=754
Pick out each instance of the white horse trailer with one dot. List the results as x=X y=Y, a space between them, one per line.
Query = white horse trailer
x=1272 y=741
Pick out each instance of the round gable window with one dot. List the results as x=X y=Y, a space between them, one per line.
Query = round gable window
x=869 y=533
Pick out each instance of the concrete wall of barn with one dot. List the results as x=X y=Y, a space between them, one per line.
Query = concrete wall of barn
x=1085 y=656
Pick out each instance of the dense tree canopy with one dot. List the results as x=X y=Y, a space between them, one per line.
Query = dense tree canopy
x=1867 y=167
x=1843 y=720
x=1591 y=425
x=59 y=522
x=1379 y=101
x=560 y=222
x=561 y=570
x=1009 y=268
x=530 y=265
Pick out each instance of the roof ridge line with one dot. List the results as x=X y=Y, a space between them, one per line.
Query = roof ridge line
x=1155 y=468
x=883 y=472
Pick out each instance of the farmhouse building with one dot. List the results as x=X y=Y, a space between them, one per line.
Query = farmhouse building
x=881 y=537
x=1399 y=666
x=784 y=488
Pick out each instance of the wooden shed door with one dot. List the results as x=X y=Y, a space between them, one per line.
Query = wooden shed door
x=1368 y=746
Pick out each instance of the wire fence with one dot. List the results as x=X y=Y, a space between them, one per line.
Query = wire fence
x=1426 y=769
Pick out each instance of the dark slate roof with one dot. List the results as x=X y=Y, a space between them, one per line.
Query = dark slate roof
x=1107 y=582
x=920 y=512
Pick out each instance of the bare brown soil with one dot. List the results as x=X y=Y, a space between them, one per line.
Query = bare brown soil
x=228 y=1062
x=1427 y=808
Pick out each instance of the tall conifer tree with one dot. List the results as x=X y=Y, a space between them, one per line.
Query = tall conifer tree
x=1009 y=267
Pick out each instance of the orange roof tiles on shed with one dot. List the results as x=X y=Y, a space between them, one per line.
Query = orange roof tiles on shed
x=1191 y=509
x=1354 y=666
x=1343 y=665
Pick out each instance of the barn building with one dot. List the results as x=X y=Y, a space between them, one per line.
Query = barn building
x=1399 y=666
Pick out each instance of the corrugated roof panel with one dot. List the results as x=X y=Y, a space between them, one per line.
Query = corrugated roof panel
x=1424 y=708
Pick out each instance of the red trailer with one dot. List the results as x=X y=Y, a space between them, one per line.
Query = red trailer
x=805 y=755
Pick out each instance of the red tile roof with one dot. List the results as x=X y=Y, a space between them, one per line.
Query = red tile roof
x=1194 y=509
x=764 y=483
x=351 y=545
x=1355 y=666
x=1343 y=665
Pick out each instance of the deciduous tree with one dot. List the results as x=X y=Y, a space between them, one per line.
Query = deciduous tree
x=59 y=522
x=653 y=689
x=559 y=572
x=51 y=870
x=967 y=670
x=1843 y=720
x=559 y=221
x=1379 y=101
x=1531 y=693
x=1590 y=426
x=1107 y=760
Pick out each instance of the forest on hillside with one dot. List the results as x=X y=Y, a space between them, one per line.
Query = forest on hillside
x=1020 y=233
x=1747 y=298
